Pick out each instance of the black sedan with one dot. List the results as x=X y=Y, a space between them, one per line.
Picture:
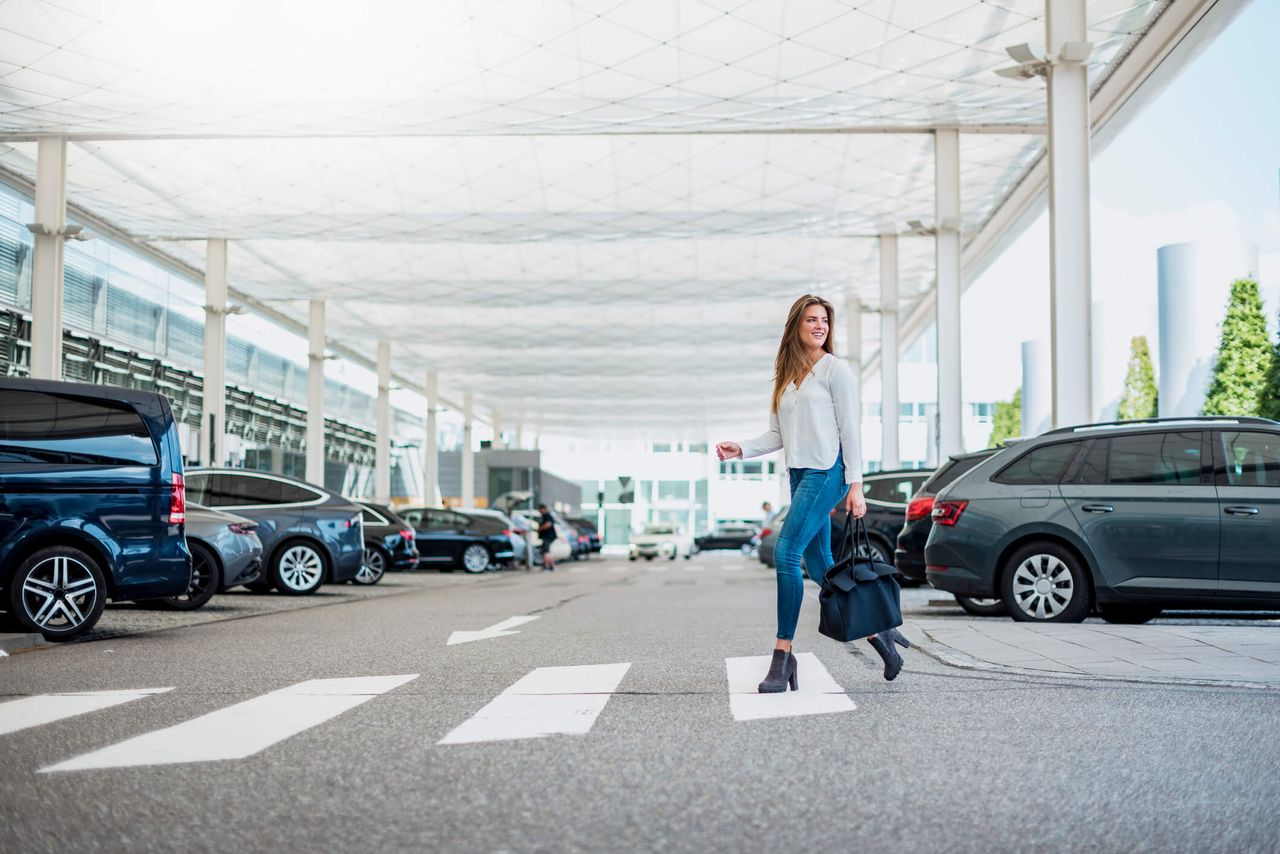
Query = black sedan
x=735 y=537
x=887 y=494
x=389 y=543
x=452 y=539
x=587 y=528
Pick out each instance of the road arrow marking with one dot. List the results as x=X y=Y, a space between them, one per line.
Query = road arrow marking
x=819 y=693
x=46 y=708
x=497 y=630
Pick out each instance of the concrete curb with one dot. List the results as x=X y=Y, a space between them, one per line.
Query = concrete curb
x=11 y=642
x=951 y=657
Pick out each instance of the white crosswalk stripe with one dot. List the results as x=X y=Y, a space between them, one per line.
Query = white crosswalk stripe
x=41 y=709
x=547 y=701
x=243 y=729
x=819 y=694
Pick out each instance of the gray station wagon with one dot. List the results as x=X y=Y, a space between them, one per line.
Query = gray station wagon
x=1130 y=517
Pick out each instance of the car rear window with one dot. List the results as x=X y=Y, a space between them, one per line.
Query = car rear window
x=1252 y=458
x=1043 y=465
x=37 y=427
x=952 y=471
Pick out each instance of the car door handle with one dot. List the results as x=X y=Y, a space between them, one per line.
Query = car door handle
x=1241 y=511
x=1098 y=508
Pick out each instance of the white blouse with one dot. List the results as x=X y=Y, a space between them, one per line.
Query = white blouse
x=815 y=422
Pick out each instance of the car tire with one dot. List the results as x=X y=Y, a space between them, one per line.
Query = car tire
x=1044 y=582
x=475 y=558
x=58 y=591
x=373 y=567
x=298 y=568
x=206 y=578
x=631 y=558
x=1129 y=615
x=982 y=607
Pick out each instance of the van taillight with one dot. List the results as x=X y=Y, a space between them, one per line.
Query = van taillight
x=947 y=513
x=919 y=508
x=178 y=500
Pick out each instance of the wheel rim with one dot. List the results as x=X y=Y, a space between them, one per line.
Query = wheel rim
x=1043 y=586
x=475 y=558
x=984 y=603
x=372 y=568
x=59 y=593
x=300 y=568
x=201 y=577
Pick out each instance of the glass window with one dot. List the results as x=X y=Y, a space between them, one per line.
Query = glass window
x=1040 y=465
x=1155 y=458
x=697 y=447
x=662 y=447
x=197 y=487
x=292 y=493
x=36 y=427
x=413 y=517
x=1253 y=459
x=371 y=518
x=1093 y=468
x=234 y=490
x=673 y=490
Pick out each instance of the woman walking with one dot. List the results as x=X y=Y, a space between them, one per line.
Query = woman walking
x=813 y=419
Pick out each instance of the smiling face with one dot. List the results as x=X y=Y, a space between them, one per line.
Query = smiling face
x=815 y=326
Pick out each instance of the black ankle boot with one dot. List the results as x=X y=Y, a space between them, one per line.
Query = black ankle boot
x=883 y=644
x=898 y=638
x=782 y=672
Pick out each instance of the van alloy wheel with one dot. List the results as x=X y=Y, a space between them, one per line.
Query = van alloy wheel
x=1042 y=586
x=300 y=569
x=373 y=567
x=58 y=591
x=475 y=558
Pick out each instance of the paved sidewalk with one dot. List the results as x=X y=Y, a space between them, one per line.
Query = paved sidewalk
x=1199 y=654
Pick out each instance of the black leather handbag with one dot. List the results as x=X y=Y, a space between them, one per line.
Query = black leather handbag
x=860 y=595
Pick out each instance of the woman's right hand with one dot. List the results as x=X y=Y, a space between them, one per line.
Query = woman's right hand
x=728 y=450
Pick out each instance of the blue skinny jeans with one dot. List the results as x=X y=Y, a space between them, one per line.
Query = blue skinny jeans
x=806 y=533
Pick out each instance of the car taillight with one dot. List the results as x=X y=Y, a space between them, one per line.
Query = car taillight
x=178 y=500
x=407 y=534
x=506 y=532
x=948 y=512
x=919 y=508
x=765 y=532
x=241 y=528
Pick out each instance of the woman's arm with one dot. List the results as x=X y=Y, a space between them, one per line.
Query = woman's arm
x=767 y=442
x=848 y=420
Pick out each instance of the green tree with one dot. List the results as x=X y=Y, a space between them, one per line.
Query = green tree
x=1270 y=407
x=1140 y=393
x=1246 y=357
x=1007 y=421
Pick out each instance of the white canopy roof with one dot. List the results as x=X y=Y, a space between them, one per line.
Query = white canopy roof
x=592 y=214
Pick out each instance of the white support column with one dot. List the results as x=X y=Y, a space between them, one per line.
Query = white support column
x=889 y=454
x=46 y=266
x=431 y=445
x=468 y=454
x=1069 y=250
x=520 y=434
x=853 y=345
x=946 y=147
x=213 y=424
x=315 y=393
x=382 y=441
x=497 y=429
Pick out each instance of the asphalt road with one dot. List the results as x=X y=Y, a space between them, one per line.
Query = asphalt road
x=939 y=760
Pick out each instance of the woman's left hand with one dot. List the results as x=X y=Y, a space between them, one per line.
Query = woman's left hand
x=854 y=502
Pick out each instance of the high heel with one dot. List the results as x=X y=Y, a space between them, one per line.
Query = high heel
x=892 y=660
x=782 y=673
x=898 y=638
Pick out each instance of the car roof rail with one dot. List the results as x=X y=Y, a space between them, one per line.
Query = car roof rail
x=1183 y=419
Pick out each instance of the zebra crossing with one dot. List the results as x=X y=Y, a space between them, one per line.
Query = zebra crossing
x=546 y=702
x=664 y=566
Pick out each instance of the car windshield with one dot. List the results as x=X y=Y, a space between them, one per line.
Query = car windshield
x=659 y=529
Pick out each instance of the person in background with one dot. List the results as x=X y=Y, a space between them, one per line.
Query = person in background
x=547 y=534
x=767 y=509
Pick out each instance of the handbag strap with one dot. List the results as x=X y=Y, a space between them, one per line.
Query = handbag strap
x=847 y=547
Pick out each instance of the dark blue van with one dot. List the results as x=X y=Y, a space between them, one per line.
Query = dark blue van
x=92 y=502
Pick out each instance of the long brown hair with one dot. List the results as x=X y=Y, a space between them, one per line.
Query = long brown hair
x=793 y=363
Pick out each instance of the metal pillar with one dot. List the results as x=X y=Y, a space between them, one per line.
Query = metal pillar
x=315 y=393
x=382 y=441
x=431 y=445
x=46 y=266
x=213 y=423
x=853 y=346
x=889 y=458
x=468 y=454
x=1069 y=250
x=520 y=434
x=1036 y=404
x=946 y=149
x=497 y=430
